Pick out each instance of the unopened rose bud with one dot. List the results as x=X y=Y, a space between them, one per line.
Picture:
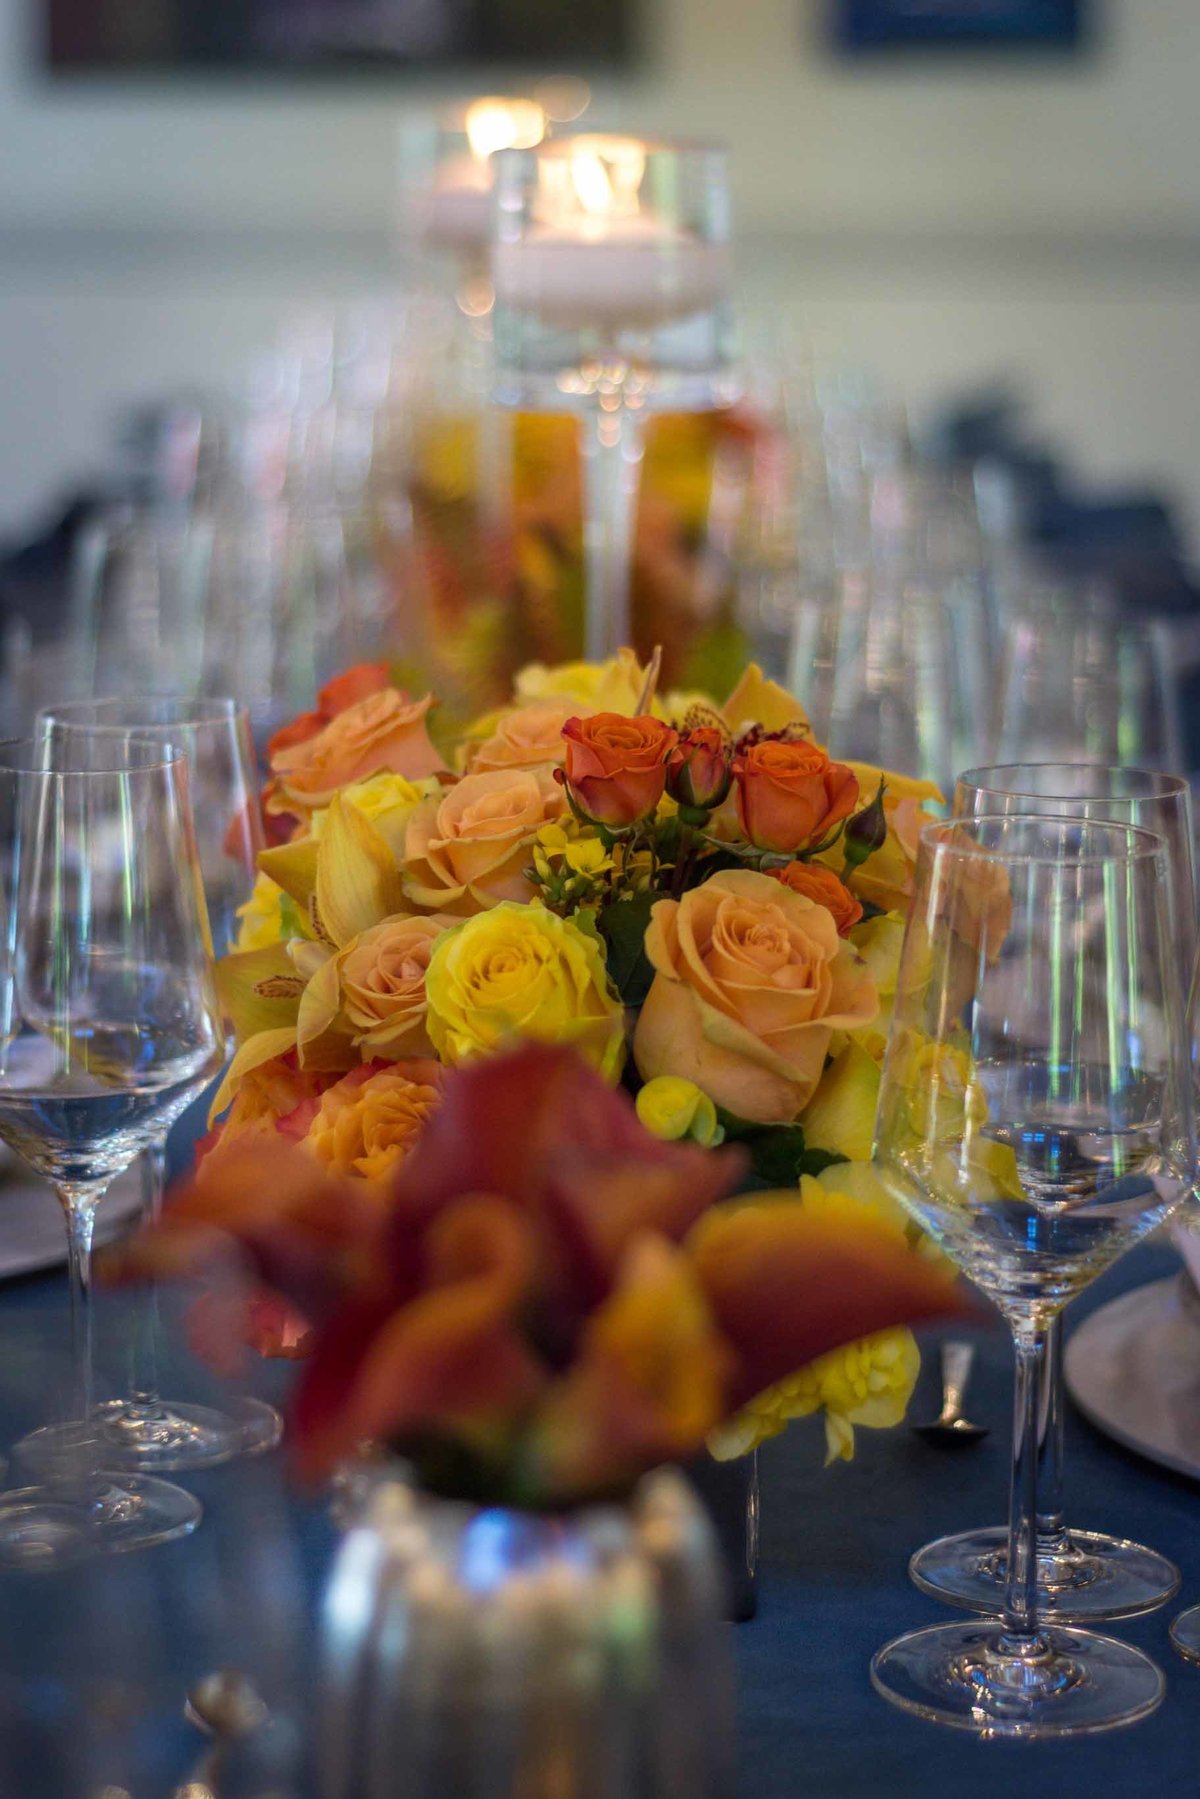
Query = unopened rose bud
x=700 y=772
x=866 y=832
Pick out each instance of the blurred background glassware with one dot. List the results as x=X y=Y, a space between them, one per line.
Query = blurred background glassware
x=111 y=1025
x=1036 y=1143
x=610 y=264
x=142 y=1430
x=1082 y=681
x=1082 y=1575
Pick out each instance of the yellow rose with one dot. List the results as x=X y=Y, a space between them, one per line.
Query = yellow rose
x=613 y=686
x=387 y=800
x=366 y=1123
x=672 y=1109
x=526 y=737
x=751 y=980
x=381 y=976
x=470 y=848
x=520 y=971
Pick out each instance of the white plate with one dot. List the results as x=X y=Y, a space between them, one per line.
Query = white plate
x=1133 y=1369
x=31 y=1221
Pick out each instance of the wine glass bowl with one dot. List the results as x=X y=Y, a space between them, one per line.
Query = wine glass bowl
x=1035 y=1119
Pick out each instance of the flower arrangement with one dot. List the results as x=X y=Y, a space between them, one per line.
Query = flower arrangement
x=692 y=896
x=545 y=1300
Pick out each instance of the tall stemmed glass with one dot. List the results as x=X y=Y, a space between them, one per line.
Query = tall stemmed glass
x=142 y=1430
x=1035 y=1118
x=610 y=262
x=1082 y=1575
x=111 y=1024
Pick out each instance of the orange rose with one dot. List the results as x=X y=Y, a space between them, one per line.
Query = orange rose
x=366 y=1123
x=266 y=1097
x=826 y=889
x=384 y=733
x=382 y=979
x=352 y=685
x=530 y=737
x=616 y=768
x=751 y=980
x=790 y=795
x=468 y=848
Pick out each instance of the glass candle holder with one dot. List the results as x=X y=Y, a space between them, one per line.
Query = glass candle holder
x=611 y=271
x=446 y=173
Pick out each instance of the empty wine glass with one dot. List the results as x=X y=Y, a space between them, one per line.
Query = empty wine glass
x=110 y=1026
x=1079 y=682
x=1036 y=1119
x=143 y=1430
x=1081 y=1574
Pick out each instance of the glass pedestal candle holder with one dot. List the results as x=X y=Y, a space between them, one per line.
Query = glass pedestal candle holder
x=611 y=270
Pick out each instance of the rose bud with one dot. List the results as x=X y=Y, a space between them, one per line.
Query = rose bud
x=615 y=770
x=700 y=772
x=866 y=832
x=790 y=796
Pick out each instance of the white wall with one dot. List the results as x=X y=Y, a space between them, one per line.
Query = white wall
x=1110 y=143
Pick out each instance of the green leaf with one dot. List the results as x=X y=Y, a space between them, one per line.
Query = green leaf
x=779 y=1153
x=623 y=926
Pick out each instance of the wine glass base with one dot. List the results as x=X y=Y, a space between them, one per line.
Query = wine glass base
x=1185 y=1634
x=1098 y=1576
x=50 y=1527
x=161 y=1439
x=961 y=1675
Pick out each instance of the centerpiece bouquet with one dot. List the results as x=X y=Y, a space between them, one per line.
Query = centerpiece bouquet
x=512 y=1261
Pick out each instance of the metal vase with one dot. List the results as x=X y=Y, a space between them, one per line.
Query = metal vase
x=497 y=1654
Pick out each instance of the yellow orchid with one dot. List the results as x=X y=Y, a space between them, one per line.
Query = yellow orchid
x=613 y=686
x=840 y=1116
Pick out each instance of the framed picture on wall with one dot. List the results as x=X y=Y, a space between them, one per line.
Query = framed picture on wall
x=864 y=25
x=297 y=37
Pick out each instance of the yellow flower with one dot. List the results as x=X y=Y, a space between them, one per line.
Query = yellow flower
x=262 y=917
x=613 y=686
x=840 y=1116
x=878 y=941
x=671 y=1108
x=388 y=800
x=867 y=1384
x=521 y=971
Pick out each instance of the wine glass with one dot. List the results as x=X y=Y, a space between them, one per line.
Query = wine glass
x=1035 y=1118
x=109 y=1026
x=142 y=1430
x=610 y=264
x=1081 y=1574
x=1078 y=682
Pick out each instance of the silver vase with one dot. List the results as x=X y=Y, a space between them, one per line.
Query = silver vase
x=495 y=1654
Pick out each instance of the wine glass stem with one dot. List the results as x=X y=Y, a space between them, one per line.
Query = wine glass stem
x=612 y=446
x=1051 y=1525
x=79 y=1202
x=1021 y=1584
x=143 y=1396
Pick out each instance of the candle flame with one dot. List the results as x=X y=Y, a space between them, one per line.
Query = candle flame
x=606 y=174
x=493 y=124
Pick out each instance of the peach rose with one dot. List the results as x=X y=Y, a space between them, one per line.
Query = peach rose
x=468 y=848
x=265 y=1098
x=384 y=733
x=367 y=1122
x=616 y=767
x=826 y=889
x=382 y=980
x=751 y=980
x=529 y=737
x=790 y=795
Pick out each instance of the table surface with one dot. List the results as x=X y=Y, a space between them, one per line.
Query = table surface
x=94 y=1663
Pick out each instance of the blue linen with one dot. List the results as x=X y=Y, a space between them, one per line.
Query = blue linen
x=94 y=1664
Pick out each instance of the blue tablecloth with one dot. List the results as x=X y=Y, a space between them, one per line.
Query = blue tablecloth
x=94 y=1664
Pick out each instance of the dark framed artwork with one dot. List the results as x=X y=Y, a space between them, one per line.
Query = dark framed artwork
x=328 y=36
x=861 y=26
